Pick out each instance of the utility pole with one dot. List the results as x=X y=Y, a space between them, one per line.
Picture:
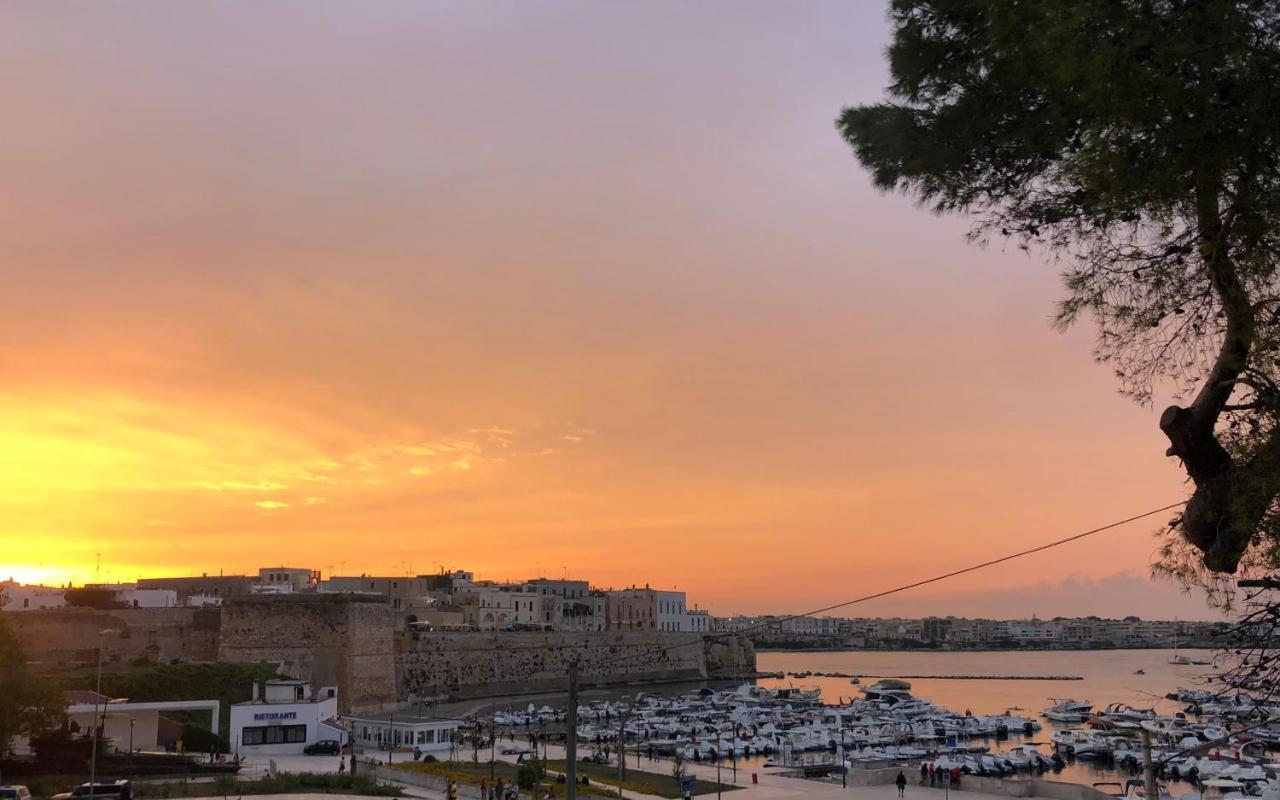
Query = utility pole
x=717 y=765
x=622 y=747
x=1148 y=769
x=93 y=755
x=844 y=765
x=493 y=739
x=571 y=736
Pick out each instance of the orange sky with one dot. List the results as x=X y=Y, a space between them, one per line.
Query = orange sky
x=514 y=287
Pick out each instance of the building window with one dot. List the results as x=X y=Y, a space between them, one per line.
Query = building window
x=274 y=734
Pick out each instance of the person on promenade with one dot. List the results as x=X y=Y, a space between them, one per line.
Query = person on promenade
x=933 y=775
x=924 y=773
x=902 y=783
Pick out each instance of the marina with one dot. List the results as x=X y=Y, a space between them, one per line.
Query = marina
x=819 y=728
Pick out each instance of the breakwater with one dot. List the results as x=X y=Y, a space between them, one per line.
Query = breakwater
x=860 y=676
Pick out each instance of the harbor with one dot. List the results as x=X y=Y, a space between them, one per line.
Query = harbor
x=838 y=730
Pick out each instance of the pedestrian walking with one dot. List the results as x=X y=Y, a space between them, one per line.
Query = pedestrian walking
x=924 y=773
x=933 y=775
x=901 y=780
x=342 y=764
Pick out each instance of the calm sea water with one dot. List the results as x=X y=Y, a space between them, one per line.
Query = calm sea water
x=1108 y=676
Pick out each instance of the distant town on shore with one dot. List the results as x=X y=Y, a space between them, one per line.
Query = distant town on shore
x=455 y=601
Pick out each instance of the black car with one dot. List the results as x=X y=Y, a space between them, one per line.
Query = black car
x=324 y=747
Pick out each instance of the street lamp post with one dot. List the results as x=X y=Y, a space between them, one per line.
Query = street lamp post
x=131 y=721
x=735 y=753
x=93 y=755
x=844 y=765
x=391 y=739
x=717 y=765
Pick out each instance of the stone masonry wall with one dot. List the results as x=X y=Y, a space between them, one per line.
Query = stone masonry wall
x=60 y=636
x=338 y=640
x=461 y=665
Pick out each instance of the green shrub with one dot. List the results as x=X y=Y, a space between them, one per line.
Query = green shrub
x=531 y=773
x=281 y=783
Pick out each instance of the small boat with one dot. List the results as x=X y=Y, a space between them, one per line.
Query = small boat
x=1139 y=672
x=1068 y=710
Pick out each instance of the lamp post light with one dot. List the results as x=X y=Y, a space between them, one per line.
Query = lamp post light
x=735 y=753
x=391 y=739
x=93 y=755
x=131 y=721
x=717 y=765
x=844 y=765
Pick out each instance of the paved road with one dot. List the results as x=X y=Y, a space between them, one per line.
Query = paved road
x=770 y=783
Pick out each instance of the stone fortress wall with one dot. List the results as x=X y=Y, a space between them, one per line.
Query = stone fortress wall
x=359 y=644
x=340 y=640
x=463 y=665
x=66 y=636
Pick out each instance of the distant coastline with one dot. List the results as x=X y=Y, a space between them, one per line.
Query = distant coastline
x=764 y=648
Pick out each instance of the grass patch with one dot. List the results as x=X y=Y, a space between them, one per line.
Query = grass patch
x=283 y=783
x=462 y=771
x=655 y=783
x=472 y=772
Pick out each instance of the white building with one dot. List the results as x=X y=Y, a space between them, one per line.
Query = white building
x=1032 y=631
x=485 y=608
x=275 y=580
x=671 y=610
x=133 y=597
x=130 y=596
x=284 y=718
x=385 y=731
x=697 y=621
x=30 y=598
x=131 y=726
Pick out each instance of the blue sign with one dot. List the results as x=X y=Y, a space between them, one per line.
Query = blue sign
x=687 y=784
x=270 y=715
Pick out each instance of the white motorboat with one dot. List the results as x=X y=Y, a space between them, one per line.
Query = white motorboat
x=1068 y=710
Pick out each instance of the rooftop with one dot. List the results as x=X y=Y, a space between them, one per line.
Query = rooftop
x=405 y=719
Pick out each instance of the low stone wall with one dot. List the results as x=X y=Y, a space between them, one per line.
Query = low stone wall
x=1030 y=787
x=878 y=777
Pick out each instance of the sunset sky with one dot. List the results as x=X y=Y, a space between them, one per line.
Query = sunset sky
x=586 y=289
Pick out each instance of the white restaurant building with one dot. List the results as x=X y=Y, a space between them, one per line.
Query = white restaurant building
x=284 y=718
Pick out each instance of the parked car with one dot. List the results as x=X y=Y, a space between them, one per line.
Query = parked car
x=15 y=793
x=99 y=790
x=324 y=747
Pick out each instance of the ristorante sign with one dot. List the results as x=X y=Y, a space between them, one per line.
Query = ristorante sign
x=274 y=715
